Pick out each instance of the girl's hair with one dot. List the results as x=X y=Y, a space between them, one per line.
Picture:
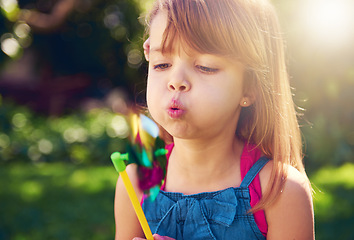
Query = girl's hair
x=247 y=30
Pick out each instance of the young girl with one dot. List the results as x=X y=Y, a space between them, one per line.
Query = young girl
x=218 y=85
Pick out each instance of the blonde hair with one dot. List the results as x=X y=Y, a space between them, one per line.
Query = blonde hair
x=249 y=31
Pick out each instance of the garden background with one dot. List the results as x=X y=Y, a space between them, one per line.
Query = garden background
x=70 y=68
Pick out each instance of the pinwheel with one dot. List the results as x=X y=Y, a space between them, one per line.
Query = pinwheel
x=147 y=150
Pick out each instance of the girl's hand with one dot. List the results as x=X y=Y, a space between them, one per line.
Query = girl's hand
x=156 y=237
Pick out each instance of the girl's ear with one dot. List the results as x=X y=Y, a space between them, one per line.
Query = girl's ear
x=249 y=89
x=146 y=47
x=248 y=100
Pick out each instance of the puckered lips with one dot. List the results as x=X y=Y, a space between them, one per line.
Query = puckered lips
x=175 y=109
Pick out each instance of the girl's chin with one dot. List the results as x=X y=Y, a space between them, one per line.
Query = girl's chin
x=177 y=131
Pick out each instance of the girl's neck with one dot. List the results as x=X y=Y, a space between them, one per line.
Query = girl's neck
x=196 y=166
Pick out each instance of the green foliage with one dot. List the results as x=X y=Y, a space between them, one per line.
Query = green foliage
x=333 y=201
x=328 y=146
x=79 y=138
x=57 y=201
x=99 y=38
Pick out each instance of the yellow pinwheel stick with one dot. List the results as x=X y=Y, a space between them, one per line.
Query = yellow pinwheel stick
x=118 y=162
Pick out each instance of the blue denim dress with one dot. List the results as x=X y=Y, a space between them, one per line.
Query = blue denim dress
x=211 y=215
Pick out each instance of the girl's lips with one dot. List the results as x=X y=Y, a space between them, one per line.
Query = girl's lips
x=176 y=109
x=175 y=113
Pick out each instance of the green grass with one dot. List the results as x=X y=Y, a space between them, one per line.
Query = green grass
x=57 y=201
x=66 y=201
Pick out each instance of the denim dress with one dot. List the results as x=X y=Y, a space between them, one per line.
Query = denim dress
x=211 y=215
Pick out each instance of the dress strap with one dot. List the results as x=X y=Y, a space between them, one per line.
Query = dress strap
x=252 y=173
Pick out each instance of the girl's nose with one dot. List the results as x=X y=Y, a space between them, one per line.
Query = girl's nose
x=179 y=82
x=178 y=87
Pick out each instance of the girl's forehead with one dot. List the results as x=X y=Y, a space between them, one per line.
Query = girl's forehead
x=158 y=25
x=166 y=44
x=168 y=41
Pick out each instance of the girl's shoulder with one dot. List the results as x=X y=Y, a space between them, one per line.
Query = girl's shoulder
x=293 y=209
x=295 y=180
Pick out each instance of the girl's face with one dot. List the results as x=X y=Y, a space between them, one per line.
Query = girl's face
x=192 y=95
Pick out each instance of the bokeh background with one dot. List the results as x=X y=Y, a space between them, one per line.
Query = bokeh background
x=71 y=68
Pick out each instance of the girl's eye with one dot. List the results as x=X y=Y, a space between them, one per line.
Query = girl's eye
x=207 y=70
x=162 y=66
